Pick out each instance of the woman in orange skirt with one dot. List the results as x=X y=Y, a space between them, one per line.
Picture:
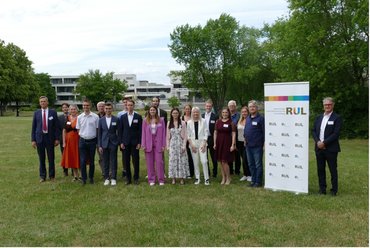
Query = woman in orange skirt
x=71 y=158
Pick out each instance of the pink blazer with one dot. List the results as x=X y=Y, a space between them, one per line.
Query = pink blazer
x=147 y=141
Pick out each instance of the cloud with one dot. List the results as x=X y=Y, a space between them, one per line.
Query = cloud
x=72 y=36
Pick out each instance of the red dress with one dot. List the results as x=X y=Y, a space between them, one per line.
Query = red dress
x=71 y=157
x=224 y=140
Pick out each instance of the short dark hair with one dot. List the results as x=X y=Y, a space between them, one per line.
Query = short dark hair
x=65 y=104
x=131 y=100
x=108 y=104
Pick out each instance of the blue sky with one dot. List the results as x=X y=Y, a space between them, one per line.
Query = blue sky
x=70 y=37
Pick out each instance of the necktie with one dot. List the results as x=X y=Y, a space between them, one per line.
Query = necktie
x=44 y=127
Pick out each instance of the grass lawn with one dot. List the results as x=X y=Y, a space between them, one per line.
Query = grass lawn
x=66 y=214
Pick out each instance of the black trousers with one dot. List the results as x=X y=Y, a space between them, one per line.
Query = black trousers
x=190 y=159
x=323 y=157
x=237 y=164
x=45 y=145
x=243 y=154
x=128 y=152
x=110 y=162
x=212 y=153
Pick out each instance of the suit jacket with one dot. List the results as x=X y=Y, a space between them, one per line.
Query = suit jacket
x=202 y=130
x=163 y=113
x=108 y=136
x=147 y=141
x=331 y=133
x=130 y=135
x=212 y=122
x=62 y=121
x=53 y=127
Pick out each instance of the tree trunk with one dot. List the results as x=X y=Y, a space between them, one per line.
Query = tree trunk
x=1 y=109
x=17 y=108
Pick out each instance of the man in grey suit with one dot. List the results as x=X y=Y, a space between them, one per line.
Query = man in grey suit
x=108 y=142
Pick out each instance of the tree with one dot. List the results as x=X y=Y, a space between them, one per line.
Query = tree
x=98 y=87
x=326 y=43
x=16 y=74
x=46 y=89
x=173 y=102
x=218 y=58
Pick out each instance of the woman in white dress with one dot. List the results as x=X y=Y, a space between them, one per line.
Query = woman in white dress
x=176 y=145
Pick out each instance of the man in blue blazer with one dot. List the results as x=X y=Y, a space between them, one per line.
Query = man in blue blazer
x=326 y=135
x=130 y=139
x=44 y=136
x=108 y=142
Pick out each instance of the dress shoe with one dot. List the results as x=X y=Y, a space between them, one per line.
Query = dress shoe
x=257 y=185
x=333 y=193
x=136 y=182
x=322 y=192
x=127 y=182
x=91 y=181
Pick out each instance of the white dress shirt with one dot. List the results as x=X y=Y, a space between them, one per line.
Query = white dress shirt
x=87 y=124
x=323 y=125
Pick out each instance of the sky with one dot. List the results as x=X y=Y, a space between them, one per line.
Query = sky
x=69 y=37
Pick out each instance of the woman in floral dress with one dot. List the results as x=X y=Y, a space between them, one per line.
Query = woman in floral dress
x=176 y=145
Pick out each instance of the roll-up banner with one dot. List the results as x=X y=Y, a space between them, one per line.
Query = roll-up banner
x=286 y=136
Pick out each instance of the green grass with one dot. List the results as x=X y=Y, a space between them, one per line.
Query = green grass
x=66 y=214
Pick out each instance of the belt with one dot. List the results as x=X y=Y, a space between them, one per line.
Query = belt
x=88 y=139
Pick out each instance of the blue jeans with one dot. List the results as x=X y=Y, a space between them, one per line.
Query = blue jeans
x=254 y=155
x=87 y=152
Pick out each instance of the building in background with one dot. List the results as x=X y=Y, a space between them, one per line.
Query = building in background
x=141 y=90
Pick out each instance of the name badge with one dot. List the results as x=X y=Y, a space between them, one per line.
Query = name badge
x=68 y=123
x=254 y=123
x=226 y=125
x=135 y=120
x=330 y=122
x=114 y=123
x=51 y=117
x=212 y=121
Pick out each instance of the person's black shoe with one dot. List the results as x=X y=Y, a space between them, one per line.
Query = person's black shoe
x=91 y=181
x=322 y=192
x=136 y=182
x=127 y=182
x=123 y=174
x=333 y=193
x=83 y=182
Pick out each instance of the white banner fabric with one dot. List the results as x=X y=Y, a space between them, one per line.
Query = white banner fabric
x=286 y=136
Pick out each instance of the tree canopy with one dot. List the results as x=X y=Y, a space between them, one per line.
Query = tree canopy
x=97 y=87
x=219 y=58
x=326 y=43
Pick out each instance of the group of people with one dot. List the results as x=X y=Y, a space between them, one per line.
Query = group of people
x=235 y=140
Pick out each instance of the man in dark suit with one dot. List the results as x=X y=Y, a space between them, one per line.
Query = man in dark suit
x=62 y=121
x=108 y=142
x=326 y=135
x=210 y=119
x=45 y=135
x=161 y=112
x=130 y=139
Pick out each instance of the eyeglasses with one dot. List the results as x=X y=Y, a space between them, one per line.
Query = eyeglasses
x=328 y=104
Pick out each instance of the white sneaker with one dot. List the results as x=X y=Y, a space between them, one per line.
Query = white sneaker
x=113 y=182
x=244 y=178
x=249 y=179
x=197 y=181
x=151 y=184
x=161 y=184
x=206 y=182
x=106 y=182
